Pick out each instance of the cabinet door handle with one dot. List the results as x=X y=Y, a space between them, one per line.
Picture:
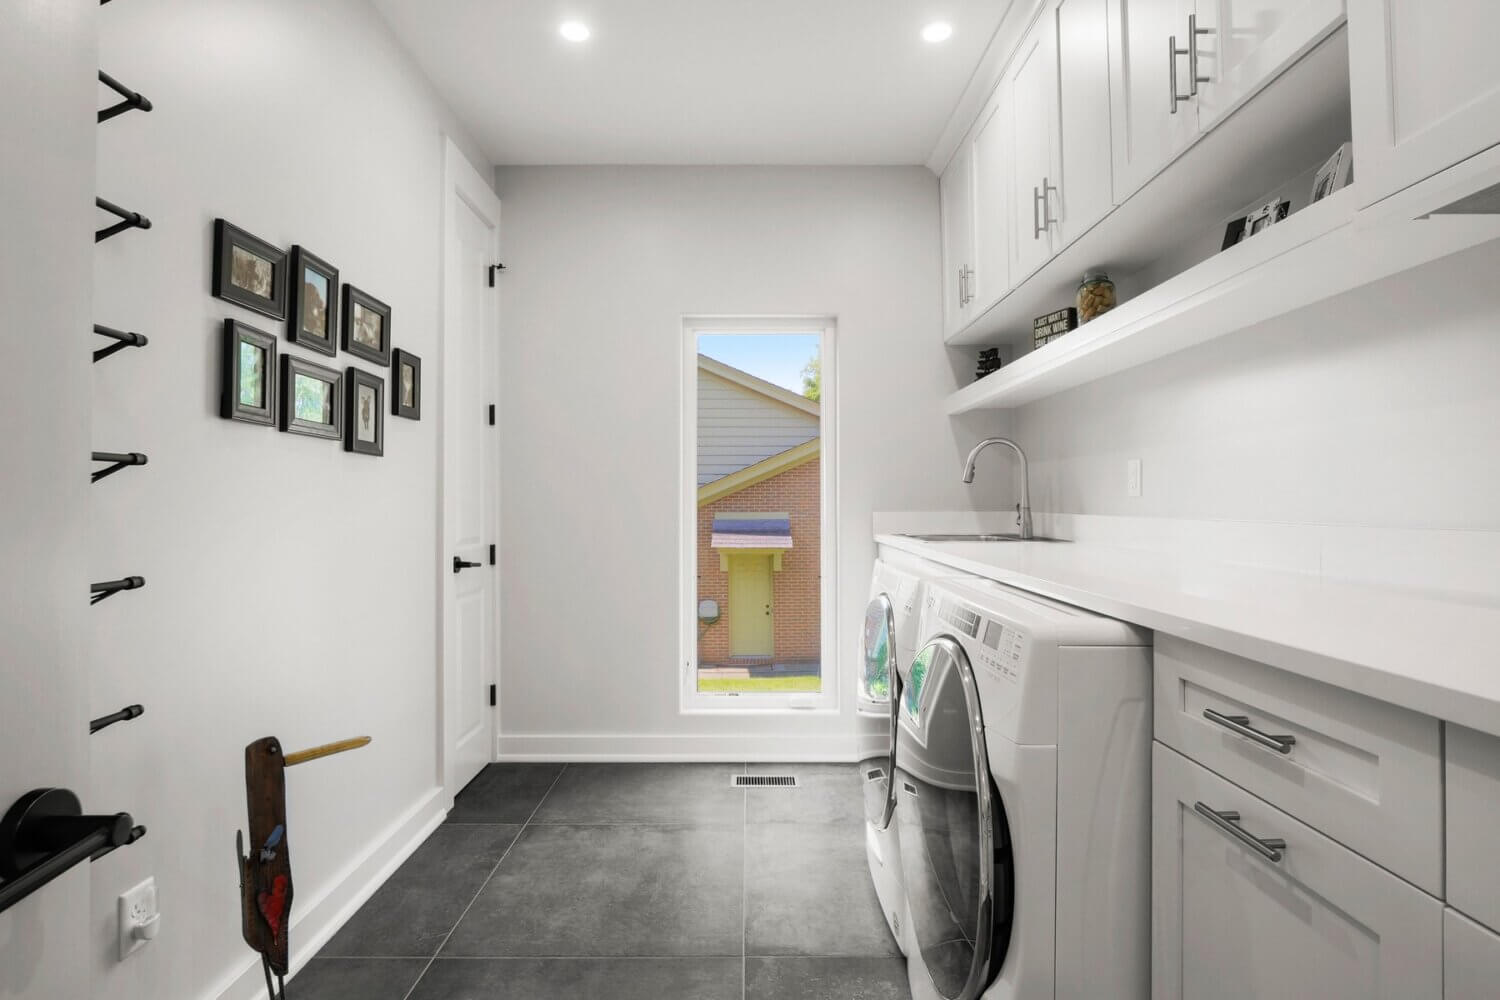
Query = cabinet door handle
x=1240 y=726
x=1036 y=219
x=1192 y=53
x=1172 y=53
x=1228 y=821
x=1047 y=219
x=963 y=285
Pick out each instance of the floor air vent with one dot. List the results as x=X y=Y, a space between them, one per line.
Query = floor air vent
x=764 y=781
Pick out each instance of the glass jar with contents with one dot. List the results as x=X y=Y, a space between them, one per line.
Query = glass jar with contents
x=1096 y=296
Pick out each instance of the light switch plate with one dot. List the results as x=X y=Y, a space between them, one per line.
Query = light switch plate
x=137 y=907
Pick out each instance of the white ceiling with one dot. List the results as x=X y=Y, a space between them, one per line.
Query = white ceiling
x=699 y=81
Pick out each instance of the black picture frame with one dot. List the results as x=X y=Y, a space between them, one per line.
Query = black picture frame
x=401 y=363
x=228 y=239
x=233 y=401
x=303 y=306
x=354 y=380
x=333 y=427
x=357 y=300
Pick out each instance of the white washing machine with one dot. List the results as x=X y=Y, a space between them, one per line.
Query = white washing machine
x=1023 y=799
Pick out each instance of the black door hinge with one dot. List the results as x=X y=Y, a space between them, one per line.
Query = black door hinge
x=493 y=269
x=492 y=553
x=492 y=414
x=492 y=696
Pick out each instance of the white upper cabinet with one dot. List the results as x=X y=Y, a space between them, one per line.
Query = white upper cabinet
x=956 y=197
x=1426 y=88
x=1085 y=192
x=1242 y=44
x=1032 y=83
x=1149 y=127
x=992 y=209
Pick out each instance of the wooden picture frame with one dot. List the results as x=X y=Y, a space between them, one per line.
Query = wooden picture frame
x=406 y=385
x=360 y=309
x=364 y=413
x=298 y=410
x=248 y=271
x=248 y=386
x=312 y=320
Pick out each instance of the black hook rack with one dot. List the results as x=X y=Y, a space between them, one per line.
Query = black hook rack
x=128 y=220
x=132 y=102
x=123 y=715
x=121 y=460
x=121 y=338
x=45 y=833
x=99 y=591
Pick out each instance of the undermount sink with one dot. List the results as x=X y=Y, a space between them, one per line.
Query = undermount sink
x=970 y=537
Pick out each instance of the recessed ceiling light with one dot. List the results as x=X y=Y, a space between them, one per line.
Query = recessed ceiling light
x=937 y=31
x=574 y=31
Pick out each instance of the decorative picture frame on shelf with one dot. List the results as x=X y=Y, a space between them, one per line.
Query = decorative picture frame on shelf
x=311 y=399
x=248 y=271
x=1335 y=173
x=1261 y=219
x=248 y=385
x=364 y=413
x=366 y=325
x=406 y=385
x=312 y=320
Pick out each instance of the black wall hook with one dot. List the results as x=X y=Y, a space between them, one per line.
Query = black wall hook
x=129 y=220
x=45 y=833
x=99 y=591
x=121 y=338
x=132 y=102
x=120 y=459
x=123 y=715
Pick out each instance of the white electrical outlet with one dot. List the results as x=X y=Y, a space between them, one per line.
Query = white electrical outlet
x=1133 y=477
x=140 y=918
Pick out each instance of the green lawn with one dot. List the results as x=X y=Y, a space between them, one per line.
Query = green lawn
x=755 y=685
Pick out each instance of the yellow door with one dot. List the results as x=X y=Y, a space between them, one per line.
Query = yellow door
x=751 y=618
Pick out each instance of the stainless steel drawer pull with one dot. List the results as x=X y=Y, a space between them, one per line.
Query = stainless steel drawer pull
x=1228 y=820
x=1240 y=726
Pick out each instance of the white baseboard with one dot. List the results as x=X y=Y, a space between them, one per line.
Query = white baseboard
x=621 y=748
x=316 y=922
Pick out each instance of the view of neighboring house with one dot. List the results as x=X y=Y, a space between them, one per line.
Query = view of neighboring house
x=759 y=549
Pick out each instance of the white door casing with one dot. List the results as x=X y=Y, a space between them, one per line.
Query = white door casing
x=471 y=470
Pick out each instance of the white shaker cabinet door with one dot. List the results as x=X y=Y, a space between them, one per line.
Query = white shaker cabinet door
x=956 y=198
x=1032 y=81
x=1426 y=88
x=1471 y=959
x=1147 y=132
x=1244 y=44
x=992 y=209
x=1085 y=192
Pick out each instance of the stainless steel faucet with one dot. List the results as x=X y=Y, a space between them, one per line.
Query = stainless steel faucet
x=1023 y=509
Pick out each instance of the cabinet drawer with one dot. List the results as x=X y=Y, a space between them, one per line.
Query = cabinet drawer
x=1471 y=959
x=1473 y=780
x=1366 y=773
x=1229 y=923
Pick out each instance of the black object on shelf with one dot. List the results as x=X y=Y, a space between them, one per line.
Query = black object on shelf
x=123 y=715
x=44 y=834
x=128 y=220
x=132 y=102
x=121 y=460
x=122 y=340
x=99 y=591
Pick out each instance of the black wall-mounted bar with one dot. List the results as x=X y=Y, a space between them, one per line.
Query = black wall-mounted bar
x=132 y=100
x=136 y=833
x=123 y=715
x=129 y=220
x=45 y=833
x=121 y=338
x=121 y=460
x=99 y=591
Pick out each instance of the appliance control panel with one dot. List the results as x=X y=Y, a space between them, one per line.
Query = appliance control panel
x=1001 y=650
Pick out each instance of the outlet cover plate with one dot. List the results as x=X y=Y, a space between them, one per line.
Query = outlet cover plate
x=136 y=907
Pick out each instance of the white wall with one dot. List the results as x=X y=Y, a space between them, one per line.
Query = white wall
x=291 y=588
x=603 y=264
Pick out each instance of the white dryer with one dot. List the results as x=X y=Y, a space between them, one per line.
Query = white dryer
x=1023 y=799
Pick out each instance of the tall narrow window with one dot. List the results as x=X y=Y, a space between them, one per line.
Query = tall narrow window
x=759 y=554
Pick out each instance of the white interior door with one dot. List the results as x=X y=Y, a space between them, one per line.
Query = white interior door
x=471 y=471
x=47 y=70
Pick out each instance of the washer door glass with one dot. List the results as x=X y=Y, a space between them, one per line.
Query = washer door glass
x=955 y=845
x=879 y=681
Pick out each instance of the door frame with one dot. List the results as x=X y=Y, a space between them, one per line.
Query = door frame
x=461 y=182
x=763 y=562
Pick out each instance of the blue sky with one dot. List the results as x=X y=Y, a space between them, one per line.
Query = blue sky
x=776 y=357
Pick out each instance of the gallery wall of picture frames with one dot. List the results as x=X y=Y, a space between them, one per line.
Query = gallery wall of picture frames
x=322 y=314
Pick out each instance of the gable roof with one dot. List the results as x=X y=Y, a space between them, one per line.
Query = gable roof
x=760 y=385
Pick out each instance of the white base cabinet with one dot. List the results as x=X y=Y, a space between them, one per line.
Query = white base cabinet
x=1471 y=959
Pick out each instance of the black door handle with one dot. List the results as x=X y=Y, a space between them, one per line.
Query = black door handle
x=459 y=565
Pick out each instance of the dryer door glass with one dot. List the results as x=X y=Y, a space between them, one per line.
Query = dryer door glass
x=878 y=683
x=955 y=845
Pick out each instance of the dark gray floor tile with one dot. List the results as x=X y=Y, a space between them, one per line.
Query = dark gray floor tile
x=417 y=907
x=645 y=793
x=356 y=978
x=826 y=979
x=808 y=892
x=826 y=793
x=603 y=890
x=573 y=978
x=504 y=793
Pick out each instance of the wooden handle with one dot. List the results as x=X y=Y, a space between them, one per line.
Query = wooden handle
x=326 y=750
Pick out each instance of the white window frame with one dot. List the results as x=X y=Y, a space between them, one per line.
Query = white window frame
x=694 y=701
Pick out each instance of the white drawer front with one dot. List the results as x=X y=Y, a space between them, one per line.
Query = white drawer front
x=1320 y=922
x=1473 y=775
x=1471 y=959
x=1365 y=773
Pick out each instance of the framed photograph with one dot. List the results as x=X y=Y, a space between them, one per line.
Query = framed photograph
x=1334 y=174
x=364 y=413
x=311 y=399
x=1264 y=217
x=248 y=387
x=312 y=321
x=406 y=385
x=248 y=271
x=367 y=326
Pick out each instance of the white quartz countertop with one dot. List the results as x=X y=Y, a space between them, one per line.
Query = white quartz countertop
x=1432 y=653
